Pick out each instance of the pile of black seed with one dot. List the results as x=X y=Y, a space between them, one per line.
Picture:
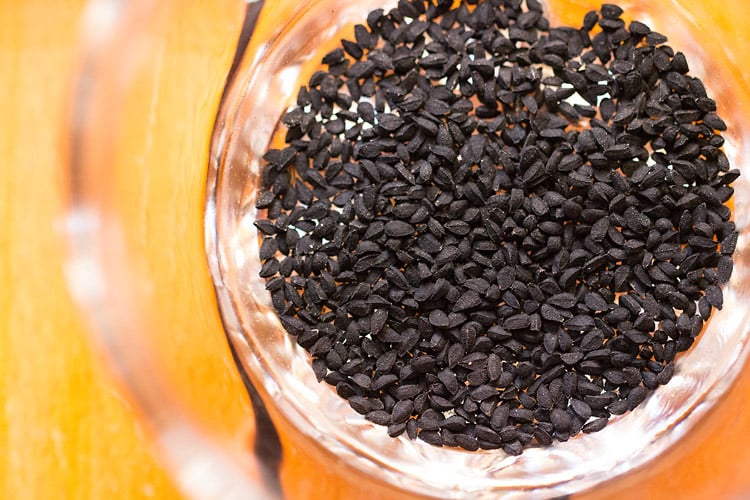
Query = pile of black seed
x=488 y=232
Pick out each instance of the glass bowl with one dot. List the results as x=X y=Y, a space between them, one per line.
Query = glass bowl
x=138 y=268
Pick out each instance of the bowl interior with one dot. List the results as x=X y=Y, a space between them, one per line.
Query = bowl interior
x=262 y=90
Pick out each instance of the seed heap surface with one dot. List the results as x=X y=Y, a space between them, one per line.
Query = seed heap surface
x=489 y=232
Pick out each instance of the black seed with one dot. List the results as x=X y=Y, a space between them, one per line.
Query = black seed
x=729 y=243
x=571 y=358
x=379 y=417
x=581 y=322
x=636 y=396
x=483 y=392
x=430 y=419
x=270 y=268
x=618 y=407
x=360 y=404
x=724 y=270
x=484 y=433
x=560 y=420
x=412 y=429
x=494 y=366
x=467 y=442
x=384 y=381
x=445 y=245
x=402 y=411
x=596 y=302
x=549 y=313
x=408 y=391
x=665 y=375
x=517 y=322
x=595 y=425
x=449 y=254
x=522 y=415
x=293 y=325
x=581 y=409
x=514 y=448
x=715 y=296
x=378 y=320
x=611 y=11
x=430 y=437
x=599 y=229
x=505 y=277
x=352 y=49
x=499 y=418
x=563 y=300
x=454 y=423
x=439 y=318
x=395 y=430
x=467 y=300
x=321 y=370
x=455 y=353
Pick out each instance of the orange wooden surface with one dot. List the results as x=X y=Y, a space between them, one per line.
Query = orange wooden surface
x=64 y=430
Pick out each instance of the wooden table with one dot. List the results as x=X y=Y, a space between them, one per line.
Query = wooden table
x=64 y=431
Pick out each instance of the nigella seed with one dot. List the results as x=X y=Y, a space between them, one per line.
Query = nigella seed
x=517 y=322
x=384 y=381
x=412 y=429
x=378 y=320
x=402 y=411
x=440 y=403
x=455 y=354
x=581 y=409
x=380 y=417
x=484 y=433
x=549 y=313
x=408 y=391
x=665 y=375
x=423 y=364
x=715 y=296
x=563 y=300
x=636 y=396
x=500 y=417
x=729 y=243
x=454 y=423
x=560 y=420
x=270 y=268
x=430 y=437
x=571 y=358
x=360 y=404
x=505 y=277
x=441 y=239
x=580 y=322
x=618 y=407
x=522 y=415
x=483 y=392
x=494 y=366
x=595 y=425
x=395 y=430
x=544 y=398
x=439 y=318
x=724 y=270
x=513 y=448
x=467 y=442
x=429 y=420
x=468 y=300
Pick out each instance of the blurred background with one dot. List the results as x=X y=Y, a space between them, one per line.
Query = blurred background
x=65 y=430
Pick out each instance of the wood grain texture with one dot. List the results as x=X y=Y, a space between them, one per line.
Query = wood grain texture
x=65 y=431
